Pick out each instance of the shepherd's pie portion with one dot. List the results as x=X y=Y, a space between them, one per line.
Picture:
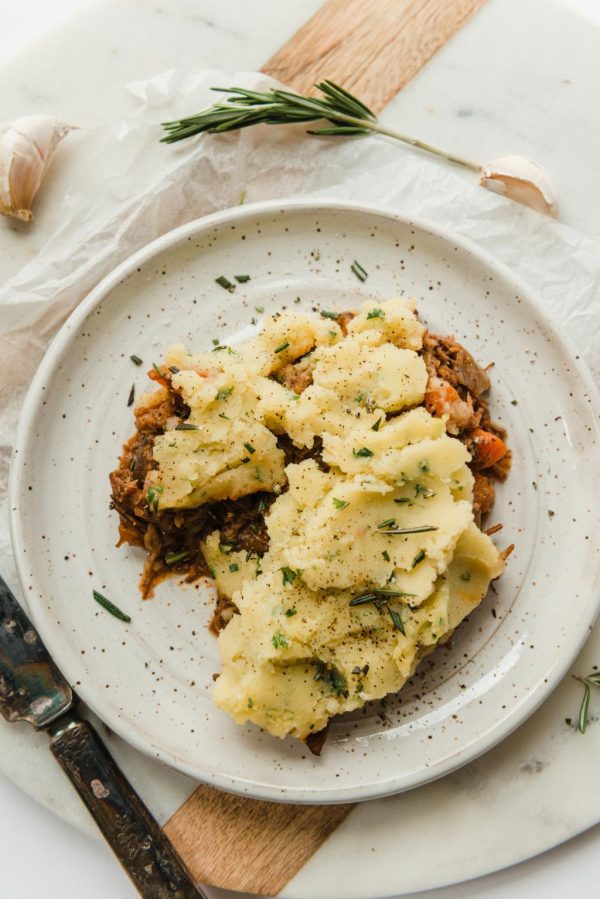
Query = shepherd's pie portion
x=369 y=555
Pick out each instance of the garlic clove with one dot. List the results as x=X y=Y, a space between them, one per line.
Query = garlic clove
x=26 y=149
x=523 y=180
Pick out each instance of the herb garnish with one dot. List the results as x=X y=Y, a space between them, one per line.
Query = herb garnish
x=359 y=271
x=363 y=453
x=466 y=576
x=250 y=702
x=279 y=640
x=343 y=112
x=159 y=371
x=241 y=279
x=234 y=567
x=340 y=503
x=250 y=448
x=282 y=347
x=386 y=555
x=136 y=360
x=396 y=620
x=225 y=393
x=334 y=679
x=131 y=396
x=388 y=523
x=174 y=369
x=333 y=315
x=399 y=532
x=418 y=558
x=425 y=492
x=152 y=496
x=289 y=575
x=110 y=607
x=226 y=283
x=379 y=595
x=592 y=680
x=186 y=426
x=376 y=313
x=174 y=558
x=377 y=424
x=291 y=612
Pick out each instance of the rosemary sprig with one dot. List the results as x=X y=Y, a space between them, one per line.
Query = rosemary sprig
x=592 y=680
x=345 y=113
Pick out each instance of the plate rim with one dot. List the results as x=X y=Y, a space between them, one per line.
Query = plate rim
x=240 y=785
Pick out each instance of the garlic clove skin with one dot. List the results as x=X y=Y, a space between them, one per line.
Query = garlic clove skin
x=26 y=149
x=522 y=180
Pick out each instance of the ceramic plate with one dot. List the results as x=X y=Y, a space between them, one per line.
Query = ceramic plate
x=150 y=680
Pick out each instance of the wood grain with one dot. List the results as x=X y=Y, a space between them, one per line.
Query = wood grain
x=371 y=47
x=247 y=844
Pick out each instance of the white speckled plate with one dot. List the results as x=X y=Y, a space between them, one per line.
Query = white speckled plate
x=150 y=681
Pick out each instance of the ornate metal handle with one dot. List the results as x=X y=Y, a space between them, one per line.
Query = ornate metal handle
x=132 y=833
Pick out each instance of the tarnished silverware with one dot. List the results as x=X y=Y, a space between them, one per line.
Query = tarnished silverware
x=33 y=689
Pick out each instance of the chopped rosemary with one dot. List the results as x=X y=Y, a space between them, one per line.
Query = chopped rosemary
x=402 y=499
x=332 y=315
x=466 y=576
x=225 y=283
x=388 y=523
x=131 y=396
x=282 y=347
x=376 y=313
x=288 y=574
x=241 y=279
x=397 y=620
x=225 y=393
x=250 y=702
x=234 y=567
x=364 y=452
x=291 y=612
x=425 y=492
x=133 y=464
x=136 y=360
x=186 y=426
x=424 y=466
x=377 y=424
x=158 y=370
x=418 y=558
x=260 y=309
x=250 y=448
x=340 y=503
x=261 y=505
x=584 y=710
x=226 y=417
x=174 y=558
x=379 y=595
x=174 y=369
x=592 y=680
x=399 y=532
x=279 y=640
x=359 y=271
x=110 y=607
x=152 y=496
x=386 y=555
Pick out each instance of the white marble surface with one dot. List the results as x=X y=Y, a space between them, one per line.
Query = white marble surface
x=550 y=118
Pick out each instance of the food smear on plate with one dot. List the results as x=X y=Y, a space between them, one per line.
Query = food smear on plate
x=330 y=475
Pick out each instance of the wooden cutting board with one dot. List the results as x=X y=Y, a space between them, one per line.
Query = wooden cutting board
x=373 y=48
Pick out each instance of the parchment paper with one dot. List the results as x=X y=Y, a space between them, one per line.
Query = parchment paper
x=128 y=188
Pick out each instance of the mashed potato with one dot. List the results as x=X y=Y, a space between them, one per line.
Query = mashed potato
x=374 y=557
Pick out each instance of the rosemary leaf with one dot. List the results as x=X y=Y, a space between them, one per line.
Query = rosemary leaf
x=584 y=710
x=226 y=283
x=110 y=607
x=136 y=360
x=131 y=396
x=359 y=271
